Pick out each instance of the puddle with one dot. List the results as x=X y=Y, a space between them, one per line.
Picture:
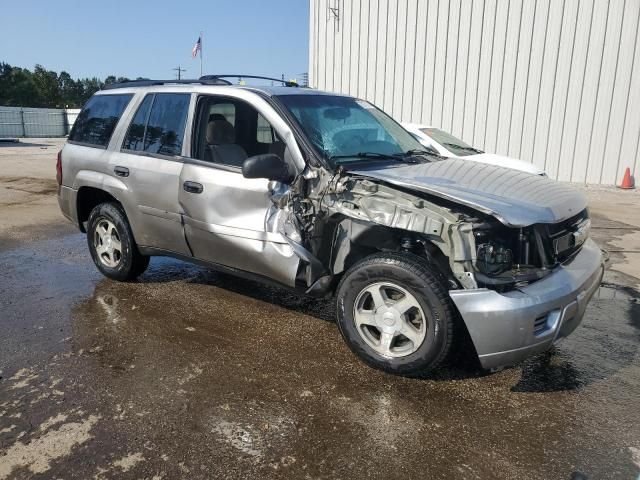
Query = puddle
x=193 y=373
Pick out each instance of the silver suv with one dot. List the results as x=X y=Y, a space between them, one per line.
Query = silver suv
x=326 y=194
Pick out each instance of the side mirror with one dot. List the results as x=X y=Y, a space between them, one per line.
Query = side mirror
x=269 y=166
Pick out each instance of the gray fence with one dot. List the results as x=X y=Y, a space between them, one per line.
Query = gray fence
x=18 y=122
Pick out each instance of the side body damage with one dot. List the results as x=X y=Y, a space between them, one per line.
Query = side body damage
x=342 y=218
x=517 y=289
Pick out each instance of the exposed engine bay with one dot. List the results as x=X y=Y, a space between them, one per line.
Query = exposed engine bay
x=334 y=220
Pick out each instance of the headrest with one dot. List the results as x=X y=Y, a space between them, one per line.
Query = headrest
x=216 y=116
x=220 y=132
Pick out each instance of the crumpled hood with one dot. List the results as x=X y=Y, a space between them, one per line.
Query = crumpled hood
x=516 y=198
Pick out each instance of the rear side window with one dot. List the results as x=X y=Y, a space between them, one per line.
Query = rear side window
x=158 y=125
x=135 y=135
x=98 y=119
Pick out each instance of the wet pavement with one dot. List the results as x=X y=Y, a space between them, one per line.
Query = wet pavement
x=189 y=373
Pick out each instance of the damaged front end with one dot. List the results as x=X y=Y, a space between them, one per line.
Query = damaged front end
x=517 y=288
x=508 y=257
x=341 y=218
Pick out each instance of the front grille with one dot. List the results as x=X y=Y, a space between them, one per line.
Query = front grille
x=557 y=229
x=539 y=324
x=564 y=239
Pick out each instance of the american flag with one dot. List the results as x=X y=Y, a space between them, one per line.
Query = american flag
x=196 y=48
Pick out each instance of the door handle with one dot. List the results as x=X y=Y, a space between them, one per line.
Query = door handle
x=121 y=171
x=192 y=187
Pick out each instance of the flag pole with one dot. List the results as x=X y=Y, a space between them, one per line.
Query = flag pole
x=200 y=53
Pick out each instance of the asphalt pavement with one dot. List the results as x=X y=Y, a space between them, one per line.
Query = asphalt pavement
x=189 y=373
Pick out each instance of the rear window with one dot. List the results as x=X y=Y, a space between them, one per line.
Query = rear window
x=97 y=120
x=158 y=125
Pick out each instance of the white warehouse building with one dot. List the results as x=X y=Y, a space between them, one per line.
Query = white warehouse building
x=552 y=82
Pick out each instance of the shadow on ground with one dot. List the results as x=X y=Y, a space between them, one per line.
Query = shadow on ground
x=19 y=143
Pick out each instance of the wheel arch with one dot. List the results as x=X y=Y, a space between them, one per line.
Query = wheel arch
x=345 y=241
x=87 y=199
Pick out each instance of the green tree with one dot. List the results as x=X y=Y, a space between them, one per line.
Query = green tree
x=17 y=87
x=48 y=87
x=45 y=88
x=71 y=91
x=90 y=86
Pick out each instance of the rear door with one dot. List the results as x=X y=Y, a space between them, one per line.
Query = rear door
x=228 y=219
x=149 y=162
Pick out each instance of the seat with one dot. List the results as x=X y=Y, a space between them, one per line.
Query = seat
x=221 y=146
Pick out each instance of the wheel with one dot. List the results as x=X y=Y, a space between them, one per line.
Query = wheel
x=111 y=243
x=395 y=314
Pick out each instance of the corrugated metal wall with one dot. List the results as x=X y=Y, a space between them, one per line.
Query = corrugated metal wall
x=554 y=82
x=36 y=122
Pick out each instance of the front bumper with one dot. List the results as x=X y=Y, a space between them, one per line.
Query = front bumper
x=508 y=327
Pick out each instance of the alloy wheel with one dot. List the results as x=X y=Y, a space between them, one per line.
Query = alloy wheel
x=389 y=319
x=106 y=241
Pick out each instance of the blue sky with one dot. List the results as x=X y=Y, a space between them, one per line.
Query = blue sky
x=149 y=38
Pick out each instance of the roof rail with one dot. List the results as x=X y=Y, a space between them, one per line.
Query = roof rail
x=204 y=80
x=150 y=83
x=287 y=83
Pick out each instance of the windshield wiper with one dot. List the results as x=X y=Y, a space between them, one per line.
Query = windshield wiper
x=367 y=155
x=406 y=157
x=460 y=147
x=417 y=151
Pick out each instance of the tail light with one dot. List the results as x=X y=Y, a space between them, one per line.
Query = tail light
x=59 y=168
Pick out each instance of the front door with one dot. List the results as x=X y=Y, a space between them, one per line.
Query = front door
x=228 y=219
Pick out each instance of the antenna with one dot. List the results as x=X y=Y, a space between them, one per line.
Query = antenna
x=179 y=71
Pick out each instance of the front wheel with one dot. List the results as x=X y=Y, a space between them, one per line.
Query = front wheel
x=395 y=314
x=111 y=243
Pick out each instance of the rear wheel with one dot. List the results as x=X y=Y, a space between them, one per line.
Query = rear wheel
x=394 y=313
x=112 y=245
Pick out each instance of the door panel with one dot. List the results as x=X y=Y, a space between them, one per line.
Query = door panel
x=229 y=223
x=152 y=200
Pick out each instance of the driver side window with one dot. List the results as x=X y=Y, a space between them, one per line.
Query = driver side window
x=228 y=131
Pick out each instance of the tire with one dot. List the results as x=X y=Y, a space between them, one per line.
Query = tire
x=399 y=277
x=111 y=243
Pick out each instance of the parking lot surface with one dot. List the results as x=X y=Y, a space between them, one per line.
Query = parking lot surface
x=189 y=373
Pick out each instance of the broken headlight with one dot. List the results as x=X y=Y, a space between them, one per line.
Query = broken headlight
x=493 y=259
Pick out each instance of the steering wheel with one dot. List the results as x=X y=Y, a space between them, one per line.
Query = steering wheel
x=352 y=143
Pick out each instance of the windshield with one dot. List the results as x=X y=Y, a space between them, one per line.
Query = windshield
x=345 y=129
x=451 y=143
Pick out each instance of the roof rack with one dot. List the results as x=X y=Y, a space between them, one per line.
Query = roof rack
x=204 y=80
x=151 y=83
x=287 y=83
